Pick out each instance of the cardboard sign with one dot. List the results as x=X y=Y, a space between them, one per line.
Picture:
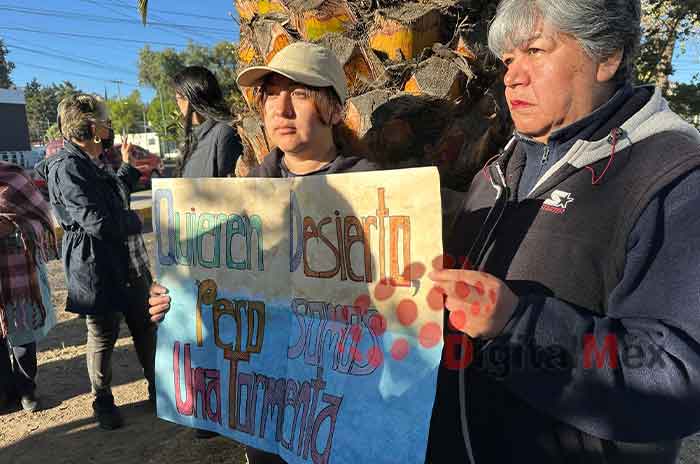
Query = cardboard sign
x=300 y=321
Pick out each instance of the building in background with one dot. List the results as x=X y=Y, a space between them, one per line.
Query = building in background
x=151 y=141
x=14 y=131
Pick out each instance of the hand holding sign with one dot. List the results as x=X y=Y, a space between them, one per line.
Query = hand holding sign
x=298 y=322
x=158 y=302
x=480 y=304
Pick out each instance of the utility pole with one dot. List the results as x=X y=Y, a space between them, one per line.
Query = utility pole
x=162 y=110
x=119 y=89
x=144 y=119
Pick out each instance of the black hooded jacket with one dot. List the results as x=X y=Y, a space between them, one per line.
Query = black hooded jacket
x=88 y=204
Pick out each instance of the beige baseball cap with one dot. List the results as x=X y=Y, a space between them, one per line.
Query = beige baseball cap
x=302 y=62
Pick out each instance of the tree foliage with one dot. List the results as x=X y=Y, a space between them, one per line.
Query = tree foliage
x=684 y=99
x=665 y=25
x=164 y=120
x=6 y=67
x=42 y=106
x=127 y=113
x=53 y=133
x=157 y=68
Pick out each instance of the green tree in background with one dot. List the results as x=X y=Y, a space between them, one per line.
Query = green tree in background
x=42 y=105
x=6 y=67
x=127 y=113
x=166 y=120
x=684 y=99
x=156 y=69
x=52 y=133
x=667 y=25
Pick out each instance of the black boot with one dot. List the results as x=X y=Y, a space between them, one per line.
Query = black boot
x=107 y=413
x=4 y=401
x=30 y=402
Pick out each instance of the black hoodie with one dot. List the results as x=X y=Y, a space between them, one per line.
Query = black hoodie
x=273 y=166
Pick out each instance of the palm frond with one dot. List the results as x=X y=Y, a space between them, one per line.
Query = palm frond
x=143 y=9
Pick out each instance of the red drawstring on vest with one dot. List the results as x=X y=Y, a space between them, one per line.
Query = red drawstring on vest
x=615 y=134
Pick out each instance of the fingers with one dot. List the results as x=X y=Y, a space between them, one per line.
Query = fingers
x=474 y=293
x=158 y=311
x=158 y=300
x=157 y=290
x=464 y=284
x=470 y=277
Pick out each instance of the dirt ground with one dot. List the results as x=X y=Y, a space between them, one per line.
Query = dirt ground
x=65 y=431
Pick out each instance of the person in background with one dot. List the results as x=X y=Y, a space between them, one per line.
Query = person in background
x=300 y=96
x=211 y=146
x=27 y=243
x=104 y=258
x=581 y=293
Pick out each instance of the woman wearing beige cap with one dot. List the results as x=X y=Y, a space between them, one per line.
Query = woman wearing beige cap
x=300 y=95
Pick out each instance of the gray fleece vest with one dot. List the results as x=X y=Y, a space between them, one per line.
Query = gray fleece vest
x=568 y=238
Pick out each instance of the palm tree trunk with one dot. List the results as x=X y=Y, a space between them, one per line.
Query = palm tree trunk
x=423 y=89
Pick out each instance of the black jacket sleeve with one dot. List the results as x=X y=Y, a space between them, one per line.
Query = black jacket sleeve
x=129 y=175
x=228 y=150
x=87 y=206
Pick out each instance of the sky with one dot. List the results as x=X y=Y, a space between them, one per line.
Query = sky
x=45 y=39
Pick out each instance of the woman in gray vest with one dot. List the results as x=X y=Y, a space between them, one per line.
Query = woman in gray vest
x=580 y=252
x=211 y=146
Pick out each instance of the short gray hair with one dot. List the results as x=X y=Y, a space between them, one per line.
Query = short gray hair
x=602 y=27
x=77 y=113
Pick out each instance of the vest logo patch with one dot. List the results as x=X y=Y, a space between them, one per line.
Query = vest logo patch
x=557 y=202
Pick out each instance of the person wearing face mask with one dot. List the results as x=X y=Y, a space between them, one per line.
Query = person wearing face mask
x=104 y=257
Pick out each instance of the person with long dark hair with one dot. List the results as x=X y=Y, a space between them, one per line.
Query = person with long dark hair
x=211 y=146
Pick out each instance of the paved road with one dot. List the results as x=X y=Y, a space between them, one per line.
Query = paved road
x=140 y=199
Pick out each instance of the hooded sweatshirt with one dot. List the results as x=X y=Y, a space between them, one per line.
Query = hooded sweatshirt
x=273 y=166
x=601 y=360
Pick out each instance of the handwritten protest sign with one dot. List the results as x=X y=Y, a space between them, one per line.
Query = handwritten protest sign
x=299 y=323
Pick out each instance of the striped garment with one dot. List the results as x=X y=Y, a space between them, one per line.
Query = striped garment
x=23 y=208
x=138 y=256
